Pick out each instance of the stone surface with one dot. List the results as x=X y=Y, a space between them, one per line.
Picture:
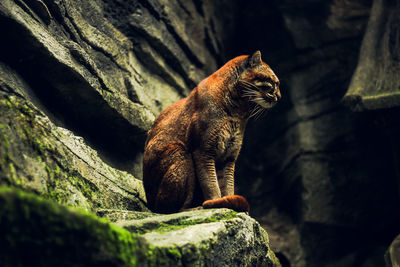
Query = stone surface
x=375 y=83
x=216 y=237
x=38 y=156
x=50 y=234
x=392 y=255
x=80 y=84
x=41 y=233
x=318 y=176
x=90 y=69
x=86 y=66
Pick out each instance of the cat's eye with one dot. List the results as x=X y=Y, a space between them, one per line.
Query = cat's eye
x=267 y=87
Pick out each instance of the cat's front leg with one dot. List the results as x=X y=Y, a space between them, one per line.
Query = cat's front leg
x=207 y=175
x=226 y=182
x=228 y=199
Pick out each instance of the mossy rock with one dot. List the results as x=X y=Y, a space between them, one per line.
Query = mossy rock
x=212 y=237
x=38 y=232
x=38 y=156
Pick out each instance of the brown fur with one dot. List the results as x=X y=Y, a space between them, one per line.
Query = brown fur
x=235 y=202
x=191 y=150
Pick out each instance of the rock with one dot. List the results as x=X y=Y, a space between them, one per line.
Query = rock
x=87 y=76
x=392 y=255
x=50 y=234
x=109 y=61
x=38 y=156
x=95 y=75
x=80 y=84
x=375 y=82
x=313 y=182
x=216 y=237
x=82 y=81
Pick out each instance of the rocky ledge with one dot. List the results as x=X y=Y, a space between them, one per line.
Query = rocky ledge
x=54 y=235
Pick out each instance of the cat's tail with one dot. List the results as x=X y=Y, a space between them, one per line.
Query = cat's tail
x=235 y=202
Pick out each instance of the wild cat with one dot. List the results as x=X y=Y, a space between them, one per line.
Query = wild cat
x=193 y=145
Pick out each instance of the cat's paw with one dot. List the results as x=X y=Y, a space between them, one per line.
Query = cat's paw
x=235 y=202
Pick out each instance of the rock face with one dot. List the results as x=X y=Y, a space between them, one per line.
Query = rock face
x=80 y=84
x=103 y=70
x=39 y=156
x=323 y=176
x=51 y=235
x=392 y=255
x=82 y=81
x=375 y=82
x=218 y=237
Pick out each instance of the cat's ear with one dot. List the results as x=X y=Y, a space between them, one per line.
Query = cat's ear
x=255 y=59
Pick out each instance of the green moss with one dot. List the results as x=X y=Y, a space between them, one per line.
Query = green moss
x=163 y=256
x=50 y=235
x=179 y=223
x=87 y=188
x=59 y=185
x=23 y=115
x=47 y=168
x=274 y=258
x=175 y=225
x=175 y=253
x=19 y=104
x=57 y=171
x=12 y=172
x=4 y=141
x=33 y=156
x=33 y=136
x=25 y=109
x=28 y=136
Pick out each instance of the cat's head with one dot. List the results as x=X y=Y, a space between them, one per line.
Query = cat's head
x=258 y=82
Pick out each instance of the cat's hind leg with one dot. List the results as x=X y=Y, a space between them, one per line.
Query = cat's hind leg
x=176 y=188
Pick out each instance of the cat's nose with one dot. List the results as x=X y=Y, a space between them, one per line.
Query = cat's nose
x=278 y=94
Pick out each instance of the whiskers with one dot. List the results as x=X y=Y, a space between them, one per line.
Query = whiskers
x=248 y=86
x=249 y=93
x=258 y=109
x=256 y=112
x=249 y=90
x=252 y=92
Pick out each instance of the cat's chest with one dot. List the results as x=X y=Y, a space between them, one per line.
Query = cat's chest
x=229 y=140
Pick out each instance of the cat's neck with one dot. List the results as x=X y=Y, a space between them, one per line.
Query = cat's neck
x=228 y=92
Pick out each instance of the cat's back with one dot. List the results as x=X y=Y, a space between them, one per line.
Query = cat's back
x=172 y=123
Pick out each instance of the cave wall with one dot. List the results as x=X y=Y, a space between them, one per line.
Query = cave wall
x=323 y=179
